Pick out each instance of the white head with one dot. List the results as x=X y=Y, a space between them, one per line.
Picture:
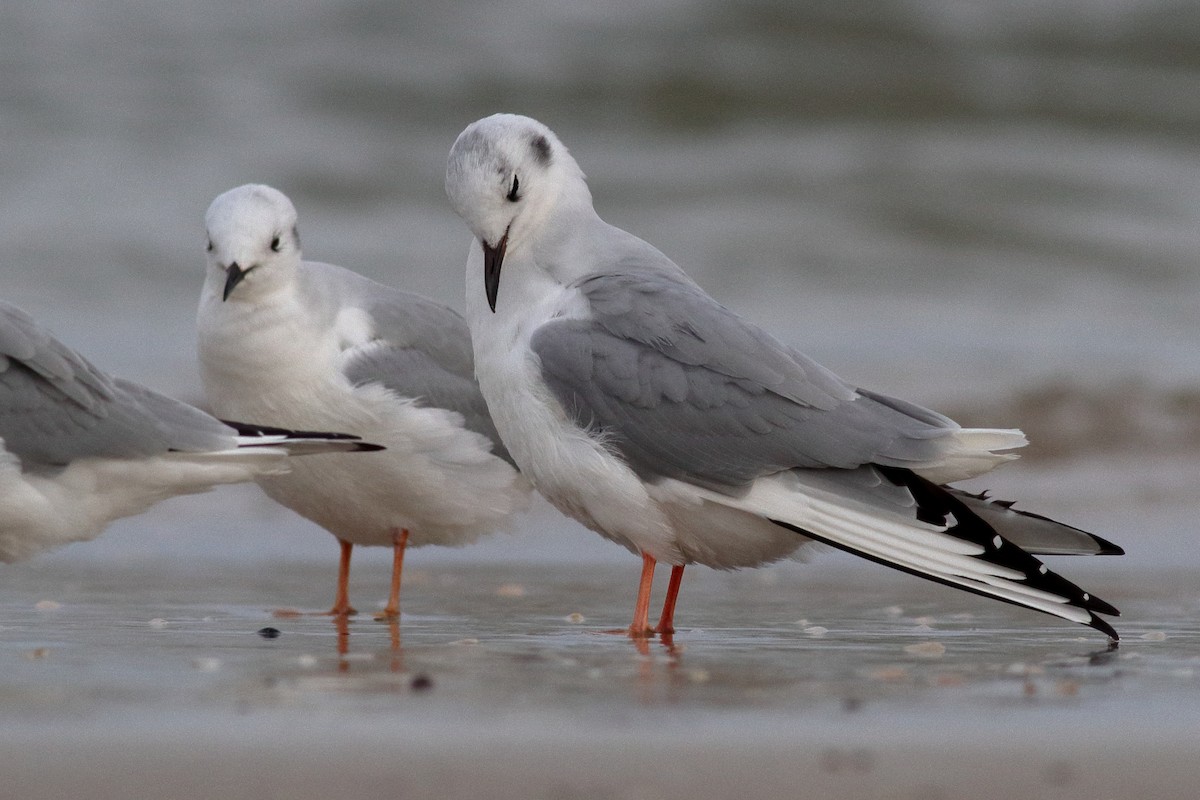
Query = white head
x=506 y=175
x=253 y=244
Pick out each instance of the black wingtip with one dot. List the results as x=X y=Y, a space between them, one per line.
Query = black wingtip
x=1107 y=548
x=1105 y=628
x=251 y=429
x=1101 y=607
x=368 y=447
x=937 y=506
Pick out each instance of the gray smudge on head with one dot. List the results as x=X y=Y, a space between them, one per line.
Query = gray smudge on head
x=541 y=149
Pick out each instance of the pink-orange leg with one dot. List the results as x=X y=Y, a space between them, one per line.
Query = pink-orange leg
x=641 y=612
x=341 y=600
x=399 y=541
x=666 y=623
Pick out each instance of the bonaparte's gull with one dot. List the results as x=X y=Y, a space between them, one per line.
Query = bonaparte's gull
x=304 y=343
x=662 y=420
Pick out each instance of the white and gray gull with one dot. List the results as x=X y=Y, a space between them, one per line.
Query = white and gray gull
x=305 y=343
x=667 y=423
x=81 y=448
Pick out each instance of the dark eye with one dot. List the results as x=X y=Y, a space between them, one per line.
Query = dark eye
x=512 y=193
x=275 y=244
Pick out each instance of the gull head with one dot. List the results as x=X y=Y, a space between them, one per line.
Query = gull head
x=253 y=243
x=506 y=175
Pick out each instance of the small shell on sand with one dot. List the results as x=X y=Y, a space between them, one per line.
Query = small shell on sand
x=926 y=649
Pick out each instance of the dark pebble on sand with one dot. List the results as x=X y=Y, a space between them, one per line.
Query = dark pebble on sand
x=422 y=683
x=268 y=633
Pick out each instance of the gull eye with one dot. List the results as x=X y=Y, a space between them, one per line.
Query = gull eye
x=512 y=193
x=275 y=245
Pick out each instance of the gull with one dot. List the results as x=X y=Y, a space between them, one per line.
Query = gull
x=662 y=420
x=80 y=448
x=304 y=343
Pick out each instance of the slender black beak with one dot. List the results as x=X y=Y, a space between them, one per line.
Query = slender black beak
x=493 y=260
x=233 y=276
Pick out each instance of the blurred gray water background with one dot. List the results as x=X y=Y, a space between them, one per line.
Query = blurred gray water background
x=987 y=207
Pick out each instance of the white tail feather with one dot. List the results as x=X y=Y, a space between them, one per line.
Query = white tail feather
x=973 y=451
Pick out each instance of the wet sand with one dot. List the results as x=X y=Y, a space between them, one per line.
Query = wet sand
x=833 y=679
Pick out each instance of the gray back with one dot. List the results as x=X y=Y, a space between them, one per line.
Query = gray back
x=56 y=407
x=685 y=388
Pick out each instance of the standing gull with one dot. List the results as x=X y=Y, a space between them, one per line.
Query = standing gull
x=81 y=448
x=665 y=422
x=304 y=343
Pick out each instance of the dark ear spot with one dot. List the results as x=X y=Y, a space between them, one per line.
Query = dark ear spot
x=541 y=150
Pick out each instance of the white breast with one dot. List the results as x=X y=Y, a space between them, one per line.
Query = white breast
x=271 y=365
x=568 y=466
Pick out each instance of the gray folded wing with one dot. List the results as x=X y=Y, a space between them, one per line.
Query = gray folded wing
x=412 y=373
x=421 y=350
x=56 y=407
x=684 y=388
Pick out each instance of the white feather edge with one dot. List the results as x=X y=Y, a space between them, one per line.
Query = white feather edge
x=268 y=448
x=296 y=446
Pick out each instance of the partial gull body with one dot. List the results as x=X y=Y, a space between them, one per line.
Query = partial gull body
x=665 y=422
x=305 y=343
x=81 y=448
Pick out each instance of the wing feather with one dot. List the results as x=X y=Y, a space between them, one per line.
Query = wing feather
x=416 y=347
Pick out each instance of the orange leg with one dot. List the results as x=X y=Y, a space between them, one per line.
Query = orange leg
x=341 y=601
x=666 y=623
x=399 y=541
x=641 y=612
